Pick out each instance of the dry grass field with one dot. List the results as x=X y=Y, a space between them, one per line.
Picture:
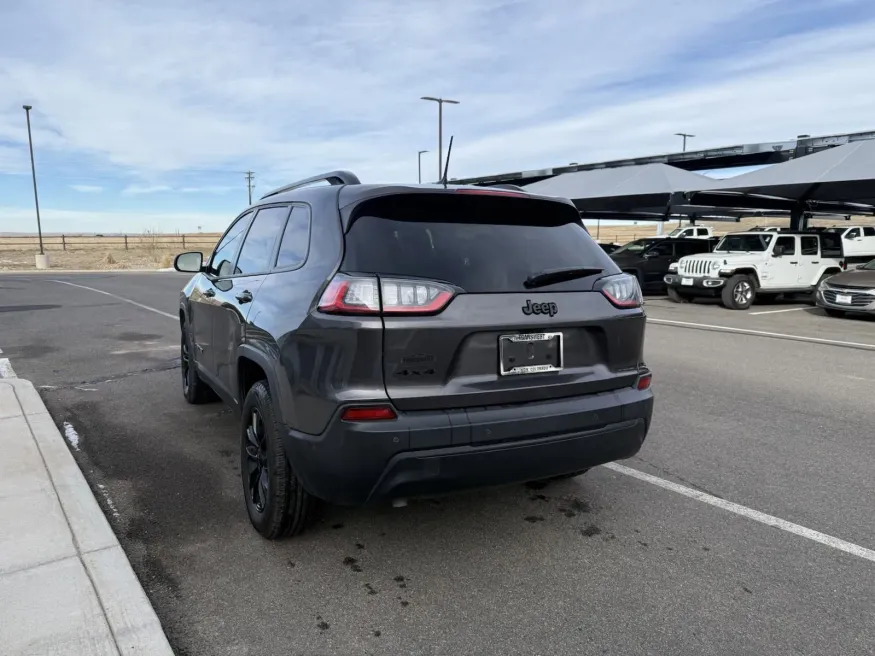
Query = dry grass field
x=155 y=251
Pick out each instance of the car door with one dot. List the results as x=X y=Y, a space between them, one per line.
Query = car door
x=782 y=269
x=236 y=291
x=656 y=261
x=203 y=308
x=808 y=269
x=853 y=241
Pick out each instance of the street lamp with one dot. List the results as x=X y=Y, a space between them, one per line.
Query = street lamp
x=684 y=135
x=440 y=102
x=419 y=163
x=42 y=258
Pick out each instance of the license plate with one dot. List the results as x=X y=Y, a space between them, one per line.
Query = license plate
x=843 y=298
x=530 y=353
x=686 y=281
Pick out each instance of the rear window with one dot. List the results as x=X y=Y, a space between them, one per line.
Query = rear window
x=482 y=244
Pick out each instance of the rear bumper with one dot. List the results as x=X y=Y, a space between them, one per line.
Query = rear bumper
x=438 y=452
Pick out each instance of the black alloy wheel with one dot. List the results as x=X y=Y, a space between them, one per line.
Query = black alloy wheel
x=257 y=465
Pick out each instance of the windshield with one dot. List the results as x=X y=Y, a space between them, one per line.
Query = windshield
x=636 y=246
x=675 y=232
x=744 y=243
x=869 y=266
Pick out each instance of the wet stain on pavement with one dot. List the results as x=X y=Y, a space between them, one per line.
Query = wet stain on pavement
x=533 y=519
x=352 y=563
x=591 y=530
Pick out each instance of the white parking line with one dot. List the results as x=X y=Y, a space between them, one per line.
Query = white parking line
x=777 y=311
x=121 y=298
x=146 y=349
x=749 y=513
x=760 y=333
x=6 y=370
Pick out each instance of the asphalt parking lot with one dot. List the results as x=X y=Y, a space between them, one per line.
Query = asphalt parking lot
x=608 y=563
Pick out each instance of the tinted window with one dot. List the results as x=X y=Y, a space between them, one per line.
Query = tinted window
x=661 y=250
x=258 y=247
x=691 y=247
x=296 y=239
x=744 y=243
x=635 y=246
x=702 y=232
x=853 y=233
x=480 y=243
x=869 y=232
x=809 y=246
x=788 y=244
x=222 y=262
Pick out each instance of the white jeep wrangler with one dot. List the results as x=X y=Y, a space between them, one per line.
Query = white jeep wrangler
x=745 y=265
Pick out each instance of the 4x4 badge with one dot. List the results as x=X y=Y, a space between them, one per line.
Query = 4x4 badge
x=540 y=308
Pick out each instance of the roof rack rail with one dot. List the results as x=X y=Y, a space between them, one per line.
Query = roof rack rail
x=332 y=178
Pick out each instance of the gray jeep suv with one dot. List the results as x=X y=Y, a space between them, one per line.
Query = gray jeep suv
x=386 y=342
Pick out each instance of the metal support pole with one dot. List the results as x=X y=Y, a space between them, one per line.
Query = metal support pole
x=39 y=227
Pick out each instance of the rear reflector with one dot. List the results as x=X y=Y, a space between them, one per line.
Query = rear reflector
x=365 y=295
x=644 y=382
x=369 y=413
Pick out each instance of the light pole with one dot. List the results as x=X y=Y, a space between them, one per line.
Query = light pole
x=39 y=228
x=419 y=163
x=684 y=135
x=440 y=102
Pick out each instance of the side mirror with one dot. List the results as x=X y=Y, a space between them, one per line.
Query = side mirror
x=778 y=251
x=860 y=266
x=189 y=262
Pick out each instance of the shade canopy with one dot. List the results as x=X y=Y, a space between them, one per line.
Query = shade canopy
x=627 y=188
x=844 y=174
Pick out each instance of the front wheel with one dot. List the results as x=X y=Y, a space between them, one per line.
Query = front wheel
x=738 y=293
x=676 y=296
x=276 y=501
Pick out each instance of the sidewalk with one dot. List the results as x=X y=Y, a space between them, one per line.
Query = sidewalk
x=66 y=586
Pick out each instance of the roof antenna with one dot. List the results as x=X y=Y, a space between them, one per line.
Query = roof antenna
x=447 y=165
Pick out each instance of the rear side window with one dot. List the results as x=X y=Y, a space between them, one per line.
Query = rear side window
x=483 y=244
x=809 y=246
x=869 y=232
x=259 y=243
x=296 y=239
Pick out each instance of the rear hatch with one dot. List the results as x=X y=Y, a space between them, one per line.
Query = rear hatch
x=462 y=326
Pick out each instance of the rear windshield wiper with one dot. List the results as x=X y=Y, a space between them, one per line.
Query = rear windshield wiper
x=549 y=276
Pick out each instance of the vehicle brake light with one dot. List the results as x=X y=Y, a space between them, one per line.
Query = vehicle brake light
x=369 y=413
x=623 y=291
x=366 y=295
x=644 y=382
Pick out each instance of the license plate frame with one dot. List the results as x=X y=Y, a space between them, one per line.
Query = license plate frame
x=540 y=347
x=687 y=282
x=844 y=299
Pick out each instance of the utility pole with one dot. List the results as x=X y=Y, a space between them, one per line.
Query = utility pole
x=39 y=228
x=440 y=102
x=419 y=163
x=250 y=177
x=684 y=135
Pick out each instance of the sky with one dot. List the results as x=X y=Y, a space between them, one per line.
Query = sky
x=147 y=113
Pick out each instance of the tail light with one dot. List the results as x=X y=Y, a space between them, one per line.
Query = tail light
x=644 y=381
x=387 y=296
x=623 y=291
x=369 y=413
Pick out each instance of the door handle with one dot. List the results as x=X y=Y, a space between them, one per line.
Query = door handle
x=210 y=292
x=244 y=297
x=815 y=261
x=794 y=262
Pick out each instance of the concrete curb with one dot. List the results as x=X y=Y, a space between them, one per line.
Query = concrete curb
x=66 y=585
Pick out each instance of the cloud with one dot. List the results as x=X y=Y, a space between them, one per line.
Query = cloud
x=136 y=189
x=86 y=189
x=209 y=189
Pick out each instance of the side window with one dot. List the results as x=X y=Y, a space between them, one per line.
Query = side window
x=853 y=233
x=702 y=232
x=809 y=246
x=660 y=250
x=258 y=246
x=789 y=244
x=869 y=232
x=296 y=239
x=682 y=249
x=222 y=261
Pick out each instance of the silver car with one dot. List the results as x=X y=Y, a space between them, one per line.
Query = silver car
x=849 y=292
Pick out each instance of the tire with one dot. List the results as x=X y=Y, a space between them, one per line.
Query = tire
x=676 y=296
x=738 y=293
x=195 y=390
x=834 y=313
x=276 y=501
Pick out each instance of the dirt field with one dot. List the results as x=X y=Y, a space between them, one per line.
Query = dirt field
x=153 y=251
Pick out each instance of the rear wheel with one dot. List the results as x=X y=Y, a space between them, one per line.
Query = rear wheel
x=834 y=313
x=194 y=389
x=676 y=296
x=276 y=501
x=738 y=293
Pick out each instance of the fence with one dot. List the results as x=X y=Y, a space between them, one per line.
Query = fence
x=151 y=242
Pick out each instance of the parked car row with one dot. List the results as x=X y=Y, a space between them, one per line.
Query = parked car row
x=833 y=267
